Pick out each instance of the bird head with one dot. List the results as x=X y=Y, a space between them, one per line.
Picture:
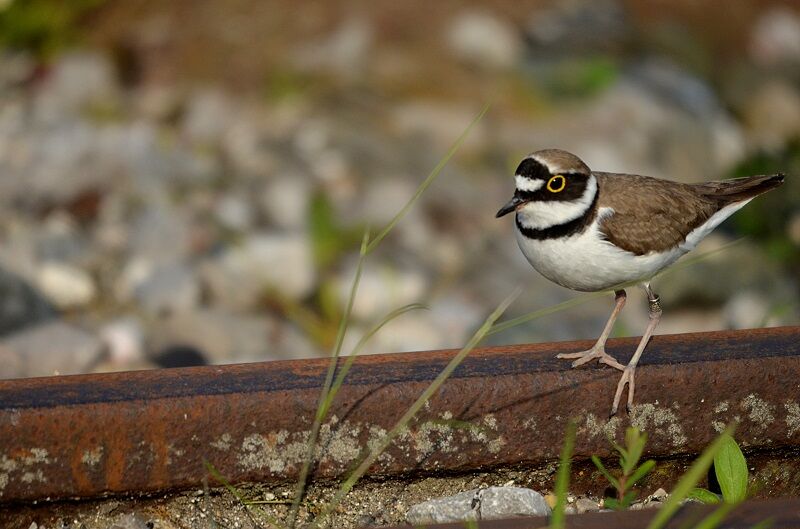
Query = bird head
x=549 y=176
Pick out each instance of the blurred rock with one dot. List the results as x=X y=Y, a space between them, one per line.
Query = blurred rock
x=65 y=285
x=124 y=341
x=480 y=38
x=20 y=304
x=285 y=199
x=159 y=234
x=772 y=114
x=345 y=52
x=235 y=212
x=78 y=79
x=578 y=27
x=208 y=113
x=747 y=310
x=381 y=290
x=244 y=274
x=775 y=37
x=225 y=337
x=168 y=287
x=47 y=349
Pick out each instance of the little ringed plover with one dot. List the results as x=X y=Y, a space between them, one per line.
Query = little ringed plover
x=591 y=231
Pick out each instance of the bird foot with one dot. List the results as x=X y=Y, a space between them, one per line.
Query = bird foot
x=597 y=352
x=627 y=377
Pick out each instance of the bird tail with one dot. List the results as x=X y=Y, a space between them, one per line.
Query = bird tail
x=738 y=189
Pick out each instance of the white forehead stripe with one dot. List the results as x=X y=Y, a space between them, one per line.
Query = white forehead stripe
x=528 y=184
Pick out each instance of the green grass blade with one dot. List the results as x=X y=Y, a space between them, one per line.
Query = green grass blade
x=688 y=482
x=703 y=495
x=731 y=470
x=505 y=325
x=342 y=372
x=557 y=519
x=611 y=479
x=428 y=180
x=642 y=471
x=377 y=450
x=326 y=387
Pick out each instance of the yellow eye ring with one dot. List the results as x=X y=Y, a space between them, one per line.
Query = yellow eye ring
x=556 y=183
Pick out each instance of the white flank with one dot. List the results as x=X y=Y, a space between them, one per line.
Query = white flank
x=699 y=233
x=540 y=215
x=528 y=184
x=588 y=263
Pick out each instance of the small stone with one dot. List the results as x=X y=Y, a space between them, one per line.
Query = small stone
x=586 y=505
x=130 y=521
x=65 y=285
x=772 y=114
x=659 y=494
x=509 y=502
x=458 y=508
x=480 y=504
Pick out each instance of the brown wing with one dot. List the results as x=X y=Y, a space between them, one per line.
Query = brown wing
x=650 y=214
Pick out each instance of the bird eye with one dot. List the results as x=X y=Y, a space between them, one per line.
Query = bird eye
x=556 y=183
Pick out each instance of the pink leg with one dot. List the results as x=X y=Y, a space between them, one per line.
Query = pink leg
x=630 y=370
x=599 y=349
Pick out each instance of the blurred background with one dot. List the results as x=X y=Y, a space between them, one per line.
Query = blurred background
x=187 y=182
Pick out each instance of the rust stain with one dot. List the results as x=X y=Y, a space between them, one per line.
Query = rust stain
x=89 y=435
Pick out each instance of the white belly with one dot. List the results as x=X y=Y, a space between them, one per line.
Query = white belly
x=587 y=263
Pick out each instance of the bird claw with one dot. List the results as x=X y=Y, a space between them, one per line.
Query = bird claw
x=628 y=377
x=596 y=352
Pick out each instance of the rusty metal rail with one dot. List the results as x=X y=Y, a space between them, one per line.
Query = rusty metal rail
x=782 y=513
x=88 y=435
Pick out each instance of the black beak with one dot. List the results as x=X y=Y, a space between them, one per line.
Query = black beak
x=510 y=206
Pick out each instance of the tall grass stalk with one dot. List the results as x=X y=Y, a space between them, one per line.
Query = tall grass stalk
x=321 y=408
x=345 y=368
x=403 y=422
x=367 y=246
x=557 y=519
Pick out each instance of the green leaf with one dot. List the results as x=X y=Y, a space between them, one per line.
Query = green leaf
x=611 y=479
x=688 y=482
x=635 y=441
x=612 y=503
x=642 y=471
x=703 y=495
x=731 y=470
